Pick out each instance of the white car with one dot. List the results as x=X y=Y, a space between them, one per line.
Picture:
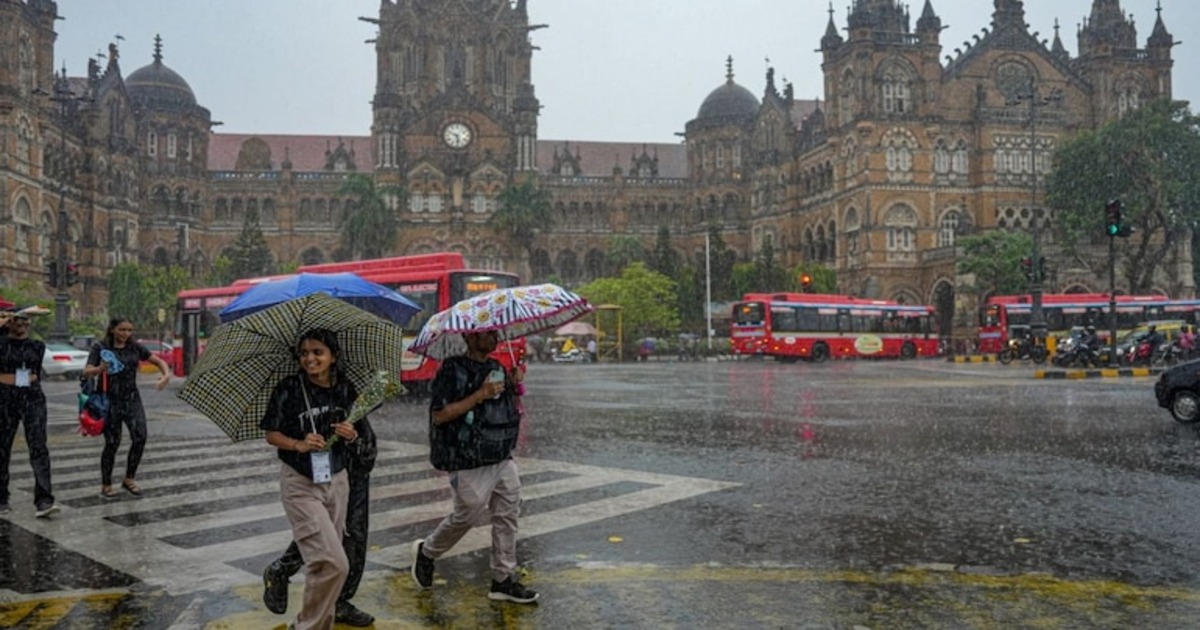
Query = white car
x=64 y=360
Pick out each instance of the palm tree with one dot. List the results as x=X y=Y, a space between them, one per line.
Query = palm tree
x=369 y=225
x=524 y=211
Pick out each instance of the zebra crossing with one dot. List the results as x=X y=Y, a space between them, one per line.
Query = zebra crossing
x=210 y=516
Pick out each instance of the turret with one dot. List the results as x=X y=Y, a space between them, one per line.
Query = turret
x=877 y=16
x=929 y=25
x=832 y=40
x=1161 y=41
x=1008 y=12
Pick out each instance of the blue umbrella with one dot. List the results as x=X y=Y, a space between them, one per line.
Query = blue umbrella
x=348 y=287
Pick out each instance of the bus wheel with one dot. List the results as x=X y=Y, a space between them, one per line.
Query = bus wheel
x=820 y=352
x=908 y=351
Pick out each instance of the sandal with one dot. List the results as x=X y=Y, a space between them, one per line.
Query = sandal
x=108 y=493
x=131 y=487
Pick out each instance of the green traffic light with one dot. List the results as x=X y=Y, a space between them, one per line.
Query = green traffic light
x=1113 y=230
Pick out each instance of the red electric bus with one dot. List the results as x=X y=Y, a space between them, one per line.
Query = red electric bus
x=792 y=326
x=1004 y=317
x=435 y=281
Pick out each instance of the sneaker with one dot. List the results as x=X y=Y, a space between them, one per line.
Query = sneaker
x=349 y=614
x=511 y=590
x=275 y=591
x=47 y=511
x=422 y=567
x=4 y=509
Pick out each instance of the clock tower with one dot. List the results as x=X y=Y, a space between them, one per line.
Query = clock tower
x=455 y=116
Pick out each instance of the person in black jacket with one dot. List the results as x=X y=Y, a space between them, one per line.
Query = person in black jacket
x=23 y=403
x=275 y=576
x=305 y=411
x=474 y=421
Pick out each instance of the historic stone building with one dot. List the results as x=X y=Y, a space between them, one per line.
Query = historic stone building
x=910 y=148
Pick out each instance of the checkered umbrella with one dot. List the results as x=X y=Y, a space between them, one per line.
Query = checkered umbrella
x=513 y=312
x=245 y=359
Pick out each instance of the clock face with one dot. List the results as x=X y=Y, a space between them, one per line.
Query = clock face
x=456 y=135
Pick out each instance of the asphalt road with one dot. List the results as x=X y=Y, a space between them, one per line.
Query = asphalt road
x=724 y=494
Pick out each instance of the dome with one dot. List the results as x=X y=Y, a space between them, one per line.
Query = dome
x=156 y=85
x=729 y=101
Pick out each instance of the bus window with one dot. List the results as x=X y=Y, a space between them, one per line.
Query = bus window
x=807 y=318
x=783 y=319
x=843 y=322
x=750 y=314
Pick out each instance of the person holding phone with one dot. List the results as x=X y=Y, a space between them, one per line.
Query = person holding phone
x=474 y=421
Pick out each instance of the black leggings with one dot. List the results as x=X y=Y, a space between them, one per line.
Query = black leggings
x=25 y=406
x=131 y=413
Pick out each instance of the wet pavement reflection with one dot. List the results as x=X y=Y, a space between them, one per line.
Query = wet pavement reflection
x=724 y=494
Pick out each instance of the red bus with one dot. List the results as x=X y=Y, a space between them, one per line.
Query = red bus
x=435 y=281
x=815 y=327
x=1004 y=317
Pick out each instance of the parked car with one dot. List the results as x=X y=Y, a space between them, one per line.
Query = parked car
x=161 y=349
x=1178 y=391
x=64 y=360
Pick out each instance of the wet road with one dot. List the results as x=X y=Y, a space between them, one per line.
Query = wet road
x=724 y=494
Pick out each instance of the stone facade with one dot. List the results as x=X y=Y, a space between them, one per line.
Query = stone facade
x=910 y=149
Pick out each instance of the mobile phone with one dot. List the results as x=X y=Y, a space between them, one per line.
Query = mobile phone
x=497 y=376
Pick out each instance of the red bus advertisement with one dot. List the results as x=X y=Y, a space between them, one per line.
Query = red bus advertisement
x=1005 y=317
x=815 y=327
x=435 y=281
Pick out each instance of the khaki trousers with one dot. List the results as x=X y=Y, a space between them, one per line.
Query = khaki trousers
x=317 y=513
x=495 y=488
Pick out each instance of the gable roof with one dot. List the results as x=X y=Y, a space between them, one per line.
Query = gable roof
x=597 y=159
x=306 y=152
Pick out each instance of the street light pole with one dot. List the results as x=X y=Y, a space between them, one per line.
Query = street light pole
x=62 y=300
x=1037 y=317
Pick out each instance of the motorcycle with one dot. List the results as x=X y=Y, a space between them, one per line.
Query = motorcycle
x=1024 y=349
x=574 y=355
x=1073 y=352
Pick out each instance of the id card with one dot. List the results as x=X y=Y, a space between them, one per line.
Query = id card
x=322 y=467
x=22 y=377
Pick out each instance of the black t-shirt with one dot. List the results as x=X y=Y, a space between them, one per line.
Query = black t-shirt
x=16 y=354
x=288 y=413
x=123 y=384
x=488 y=434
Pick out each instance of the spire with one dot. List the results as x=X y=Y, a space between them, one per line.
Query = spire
x=929 y=20
x=832 y=38
x=158 y=49
x=1160 y=38
x=729 y=69
x=1057 y=49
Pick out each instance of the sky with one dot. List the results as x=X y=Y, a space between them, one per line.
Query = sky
x=606 y=70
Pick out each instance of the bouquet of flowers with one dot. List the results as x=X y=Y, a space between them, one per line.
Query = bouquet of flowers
x=382 y=388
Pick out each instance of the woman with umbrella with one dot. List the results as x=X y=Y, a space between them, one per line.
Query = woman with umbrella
x=304 y=411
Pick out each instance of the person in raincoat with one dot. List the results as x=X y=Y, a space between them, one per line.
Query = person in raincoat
x=118 y=355
x=474 y=422
x=304 y=411
x=23 y=403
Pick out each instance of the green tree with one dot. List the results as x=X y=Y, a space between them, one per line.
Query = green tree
x=141 y=292
x=1148 y=159
x=721 y=262
x=647 y=299
x=768 y=275
x=665 y=259
x=220 y=274
x=689 y=282
x=368 y=226
x=622 y=252
x=824 y=279
x=524 y=212
x=994 y=258
x=251 y=256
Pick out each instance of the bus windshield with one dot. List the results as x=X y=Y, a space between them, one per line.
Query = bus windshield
x=749 y=314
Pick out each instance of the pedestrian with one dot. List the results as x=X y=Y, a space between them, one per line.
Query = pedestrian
x=591 y=349
x=473 y=426
x=1187 y=341
x=22 y=402
x=118 y=356
x=361 y=461
x=305 y=410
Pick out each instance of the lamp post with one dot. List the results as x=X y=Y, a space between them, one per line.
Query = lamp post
x=1029 y=94
x=62 y=97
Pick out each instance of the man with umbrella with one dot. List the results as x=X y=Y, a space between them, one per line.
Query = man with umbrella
x=474 y=422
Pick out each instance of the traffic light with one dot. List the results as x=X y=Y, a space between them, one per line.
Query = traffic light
x=72 y=274
x=806 y=283
x=1112 y=213
x=1027 y=267
x=52 y=273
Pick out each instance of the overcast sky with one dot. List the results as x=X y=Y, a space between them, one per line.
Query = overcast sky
x=607 y=70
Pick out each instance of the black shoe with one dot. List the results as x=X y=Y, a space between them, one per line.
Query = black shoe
x=349 y=614
x=46 y=511
x=511 y=590
x=275 y=587
x=422 y=567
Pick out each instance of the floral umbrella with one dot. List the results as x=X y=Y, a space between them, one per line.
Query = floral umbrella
x=513 y=312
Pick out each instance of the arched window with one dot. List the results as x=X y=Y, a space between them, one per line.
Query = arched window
x=896 y=91
x=948 y=228
x=961 y=161
x=847 y=104
x=899 y=148
x=941 y=157
x=901 y=224
x=853 y=224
